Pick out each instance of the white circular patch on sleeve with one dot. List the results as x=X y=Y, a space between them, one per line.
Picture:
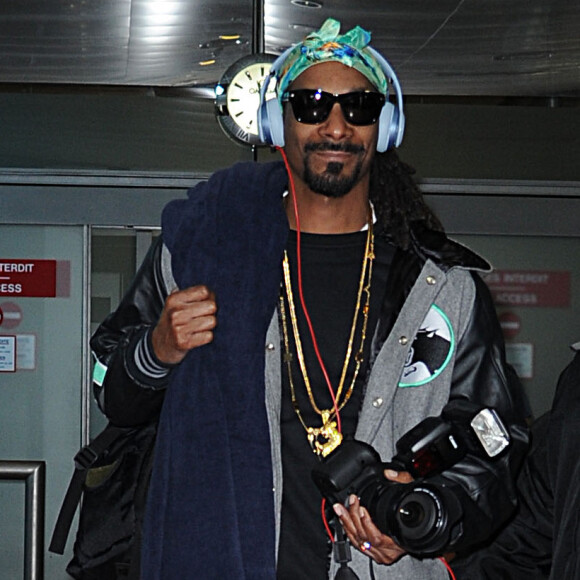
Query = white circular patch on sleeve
x=430 y=351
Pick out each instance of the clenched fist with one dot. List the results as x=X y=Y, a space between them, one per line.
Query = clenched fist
x=187 y=321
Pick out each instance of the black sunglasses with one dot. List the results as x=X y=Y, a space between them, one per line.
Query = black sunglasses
x=313 y=106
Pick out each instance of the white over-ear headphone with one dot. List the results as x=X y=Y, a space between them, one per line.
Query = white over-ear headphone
x=391 y=120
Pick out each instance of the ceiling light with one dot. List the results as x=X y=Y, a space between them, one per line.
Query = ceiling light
x=306 y=3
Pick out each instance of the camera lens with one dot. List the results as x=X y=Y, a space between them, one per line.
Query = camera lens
x=418 y=514
x=412 y=514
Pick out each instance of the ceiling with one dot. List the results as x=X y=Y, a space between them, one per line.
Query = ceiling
x=505 y=48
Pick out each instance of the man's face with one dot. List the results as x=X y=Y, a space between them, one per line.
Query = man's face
x=334 y=156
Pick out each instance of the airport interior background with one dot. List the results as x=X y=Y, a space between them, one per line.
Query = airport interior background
x=85 y=170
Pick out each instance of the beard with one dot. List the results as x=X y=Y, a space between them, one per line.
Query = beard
x=331 y=182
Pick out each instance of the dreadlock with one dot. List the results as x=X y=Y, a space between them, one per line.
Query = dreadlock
x=397 y=199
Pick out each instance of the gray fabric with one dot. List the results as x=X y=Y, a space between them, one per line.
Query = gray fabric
x=168 y=279
x=273 y=407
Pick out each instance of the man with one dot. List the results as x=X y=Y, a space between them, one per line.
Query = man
x=541 y=541
x=274 y=325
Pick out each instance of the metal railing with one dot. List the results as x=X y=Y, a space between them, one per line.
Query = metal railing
x=33 y=473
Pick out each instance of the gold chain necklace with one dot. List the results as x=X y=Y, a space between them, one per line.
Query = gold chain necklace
x=326 y=438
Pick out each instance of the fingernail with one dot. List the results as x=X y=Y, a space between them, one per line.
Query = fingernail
x=338 y=510
x=351 y=499
x=391 y=473
x=361 y=513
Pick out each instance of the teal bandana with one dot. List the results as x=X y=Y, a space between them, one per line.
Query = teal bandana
x=326 y=45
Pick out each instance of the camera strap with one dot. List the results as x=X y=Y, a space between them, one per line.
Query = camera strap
x=341 y=551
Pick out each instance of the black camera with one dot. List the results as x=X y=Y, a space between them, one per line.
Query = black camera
x=424 y=516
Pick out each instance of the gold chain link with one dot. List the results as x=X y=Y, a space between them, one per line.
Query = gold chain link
x=326 y=438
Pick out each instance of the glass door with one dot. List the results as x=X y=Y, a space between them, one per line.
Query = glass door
x=536 y=289
x=42 y=372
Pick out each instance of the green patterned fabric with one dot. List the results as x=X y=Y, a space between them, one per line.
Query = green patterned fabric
x=327 y=44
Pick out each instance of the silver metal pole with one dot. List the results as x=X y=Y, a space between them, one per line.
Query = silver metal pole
x=33 y=473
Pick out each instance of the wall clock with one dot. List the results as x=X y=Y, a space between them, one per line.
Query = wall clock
x=238 y=97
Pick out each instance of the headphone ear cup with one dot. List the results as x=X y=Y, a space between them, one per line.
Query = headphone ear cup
x=391 y=127
x=386 y=123
x=272 y=123
x=392 y=119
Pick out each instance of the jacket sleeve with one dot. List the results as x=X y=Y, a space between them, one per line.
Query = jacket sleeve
x=523 y=549
x=486 y=486
x=128 y=380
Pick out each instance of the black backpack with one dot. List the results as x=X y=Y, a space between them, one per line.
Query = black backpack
x=110 y=480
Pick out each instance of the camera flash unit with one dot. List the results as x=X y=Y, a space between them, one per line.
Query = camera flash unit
x=490 y=431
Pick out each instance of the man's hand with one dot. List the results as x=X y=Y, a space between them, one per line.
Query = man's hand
x=187 y=321
x=362 y=532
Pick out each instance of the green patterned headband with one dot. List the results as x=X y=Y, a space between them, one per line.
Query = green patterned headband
x=326 y=44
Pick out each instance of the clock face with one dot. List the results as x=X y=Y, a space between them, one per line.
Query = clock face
x=237 y=108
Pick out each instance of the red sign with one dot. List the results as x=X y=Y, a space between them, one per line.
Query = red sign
x=34 y=278
x=544 y=288
x=510 y=324
x=10 y=315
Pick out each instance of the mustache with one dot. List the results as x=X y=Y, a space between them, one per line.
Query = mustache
x=326 y=146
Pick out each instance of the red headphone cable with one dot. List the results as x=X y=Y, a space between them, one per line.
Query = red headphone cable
x=302 y=301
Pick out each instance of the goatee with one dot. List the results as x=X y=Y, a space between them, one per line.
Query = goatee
x=331 y=182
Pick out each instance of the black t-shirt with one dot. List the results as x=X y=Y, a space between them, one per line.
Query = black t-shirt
x=331 y=268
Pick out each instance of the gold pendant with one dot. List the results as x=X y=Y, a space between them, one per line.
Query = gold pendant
x=324 y=440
